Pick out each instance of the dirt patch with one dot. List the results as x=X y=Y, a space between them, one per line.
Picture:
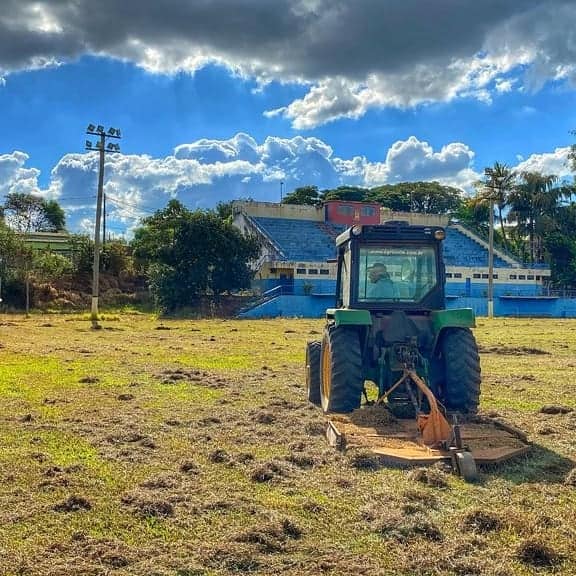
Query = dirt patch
x=189 y=467
x=301 y=460
x=265 y=418
x=89 y=380
x=371 y=416
x=147 y=506
x=160 y=482
x=421 y=497
x=429 y=476
x=513 y=351
x=73 y=504
x=219 y=457
x=268 y=471
x=364 y=461
x=233 y=557
x=193 y=376
x=271 y=537
x=481 y=522
x=125 y=397
x=554 y=409
x=315 y=428
x=392 y=525
x=537 y=554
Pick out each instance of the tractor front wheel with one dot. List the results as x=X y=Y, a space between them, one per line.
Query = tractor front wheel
x=461 y=390
x=341 y=374
x=313 y=350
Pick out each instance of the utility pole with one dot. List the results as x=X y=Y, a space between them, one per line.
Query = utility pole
x=99 y=132
x=104 y=222
x=491 y=259
x=281 y=191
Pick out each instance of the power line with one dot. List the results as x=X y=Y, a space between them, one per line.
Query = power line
x=130 y=204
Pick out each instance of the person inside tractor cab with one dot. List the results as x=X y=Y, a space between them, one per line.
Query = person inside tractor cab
x=379 y=285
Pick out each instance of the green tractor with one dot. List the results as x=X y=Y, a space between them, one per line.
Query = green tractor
x=390 y=326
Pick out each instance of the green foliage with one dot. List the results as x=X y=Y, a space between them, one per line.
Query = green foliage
x=474 y=213
x=28 y=213
x=46 y=266
x=82 y=249
x=10 y=246
x=305 y=195
x=116 y=258
x=346 y=193
x=185 y=254
x=423 y=197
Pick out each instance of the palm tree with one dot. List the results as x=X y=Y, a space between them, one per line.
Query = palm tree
x=534 y=204
x=500 y=179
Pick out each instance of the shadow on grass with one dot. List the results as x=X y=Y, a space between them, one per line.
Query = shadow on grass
x=539 y=465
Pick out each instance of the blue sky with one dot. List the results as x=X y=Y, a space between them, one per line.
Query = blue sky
x=396 y=102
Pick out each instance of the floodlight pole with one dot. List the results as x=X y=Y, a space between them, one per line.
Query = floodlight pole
x=96 y=265
x=112 y=133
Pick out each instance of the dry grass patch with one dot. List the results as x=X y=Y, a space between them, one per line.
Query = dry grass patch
x=198 y=454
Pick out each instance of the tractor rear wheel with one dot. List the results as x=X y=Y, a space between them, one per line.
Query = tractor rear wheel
x=341 y=374
x=313 y=350
x=461 y=390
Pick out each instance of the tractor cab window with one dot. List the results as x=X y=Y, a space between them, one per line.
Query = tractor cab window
x=396 y=273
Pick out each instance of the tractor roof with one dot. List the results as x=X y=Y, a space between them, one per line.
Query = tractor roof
x=393 y=230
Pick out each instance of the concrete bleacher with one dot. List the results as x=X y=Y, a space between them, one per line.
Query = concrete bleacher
x=461 y=250
x=309 y=241
x=301 y=240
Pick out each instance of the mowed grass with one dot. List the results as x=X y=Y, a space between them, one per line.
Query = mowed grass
x=187 y=448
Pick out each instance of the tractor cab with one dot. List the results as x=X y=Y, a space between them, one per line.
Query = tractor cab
x=391 y=267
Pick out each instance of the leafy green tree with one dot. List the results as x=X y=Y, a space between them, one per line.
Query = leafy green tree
x=305 y=195
x=28 y=213
x=346 y=193
x=422 y=197
x=186 y=254
x=474 y=212
x=55 y=216
x=534 y=203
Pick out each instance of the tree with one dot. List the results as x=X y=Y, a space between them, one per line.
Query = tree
x=27 y=213
x=475 y=213
x=346 y=193
x=305 y=195
x=422 y=197
x=186 y=254
x=534 y=207
x=499 y=178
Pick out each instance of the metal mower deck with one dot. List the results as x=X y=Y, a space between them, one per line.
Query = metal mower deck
x=398 y=442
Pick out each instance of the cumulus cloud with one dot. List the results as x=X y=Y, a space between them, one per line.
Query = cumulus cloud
x=548 y=163
x=353 y=55
x=204 y=172
x=15 y=176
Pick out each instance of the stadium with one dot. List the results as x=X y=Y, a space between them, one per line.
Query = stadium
x=296 y=271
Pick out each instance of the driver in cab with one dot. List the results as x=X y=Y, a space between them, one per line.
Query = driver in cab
x=379 y=285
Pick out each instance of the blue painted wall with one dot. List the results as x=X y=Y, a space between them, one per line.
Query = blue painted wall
x=315 y=307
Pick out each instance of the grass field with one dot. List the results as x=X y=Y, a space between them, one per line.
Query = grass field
x=187 y=448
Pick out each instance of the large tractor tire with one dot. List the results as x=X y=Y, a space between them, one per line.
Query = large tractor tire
x=341 y=374
x=461 y=365
x=313 y=350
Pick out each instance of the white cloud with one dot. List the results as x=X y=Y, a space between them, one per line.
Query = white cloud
x=204 y=172
x=15 y=177
x=354 y=55
x=548 y=163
